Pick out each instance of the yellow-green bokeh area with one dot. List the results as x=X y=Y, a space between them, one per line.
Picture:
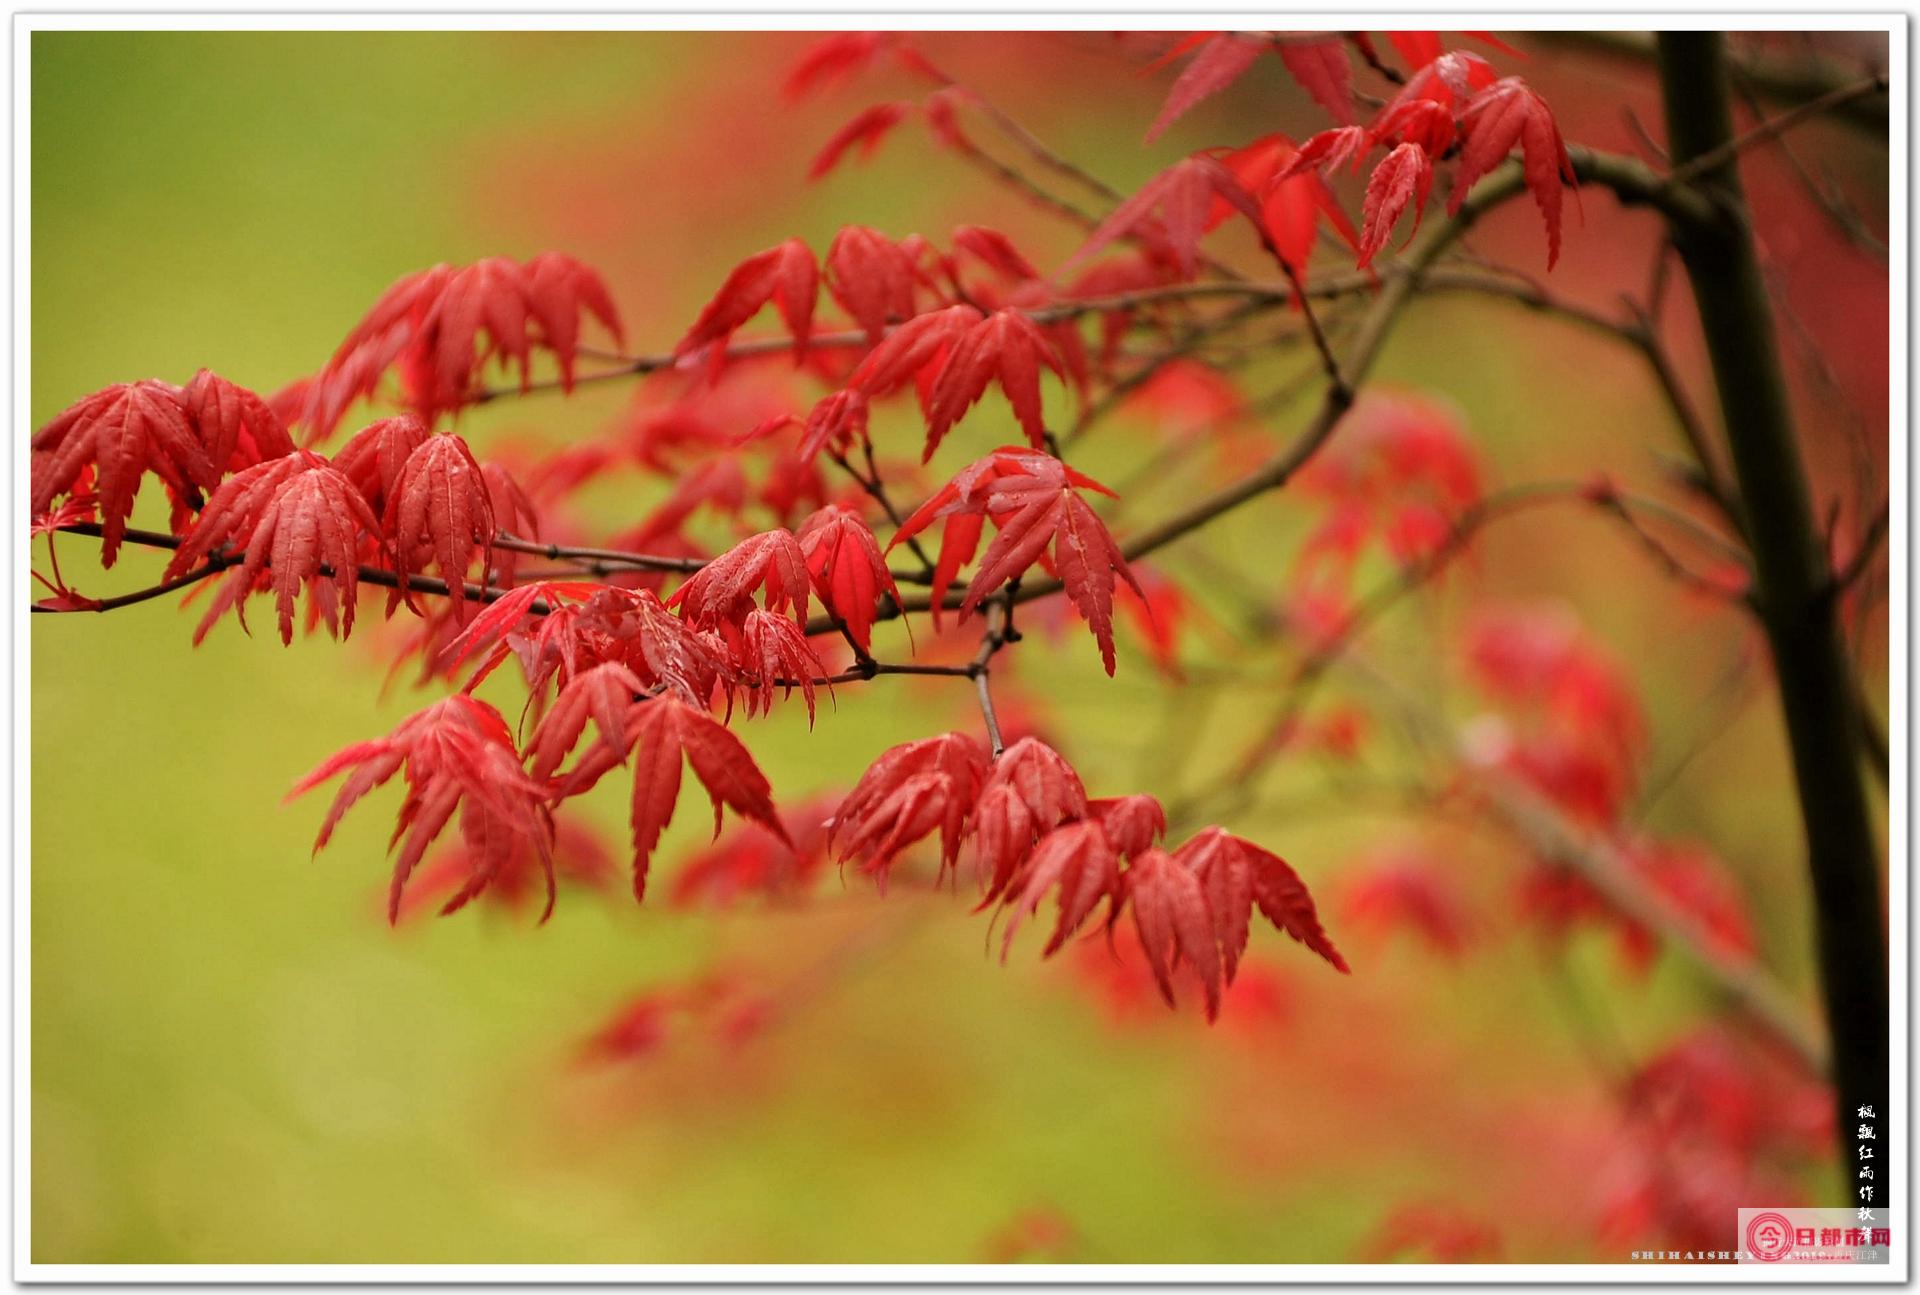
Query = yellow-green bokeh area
x=233 y=1059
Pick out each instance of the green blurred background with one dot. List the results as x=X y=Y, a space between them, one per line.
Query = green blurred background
x=233 y=1059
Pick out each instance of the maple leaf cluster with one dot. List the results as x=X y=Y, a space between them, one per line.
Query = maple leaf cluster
x=98 y=450
x=643 y=653
x=1451 y=106
x=1035 y=833
x=1717 y=1113
x=438 y=329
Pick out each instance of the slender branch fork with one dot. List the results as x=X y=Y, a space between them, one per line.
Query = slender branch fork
x=1675 y=195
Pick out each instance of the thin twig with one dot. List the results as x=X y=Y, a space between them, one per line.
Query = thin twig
x=1714 y=158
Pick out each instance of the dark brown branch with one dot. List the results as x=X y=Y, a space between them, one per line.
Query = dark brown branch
x=379 y=577
x=605 y=557
x=1789 y=81
x=1774 y=127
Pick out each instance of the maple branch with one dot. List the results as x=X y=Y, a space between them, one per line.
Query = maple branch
x=1783 y=80
x=870 y=482
x=1713 y=478
x=998 y=634
x=1631 y=181
x=1176 y=349
x=858 y=339
x=1613 y=503
x=1371 y=58
x=874 y=669
x=1014 y=178
x=380 y=577
x=213 y=567
x=603 y=557
x=1774 y=127
x=1329 y=362
x=1599 y=862
x=1822 y=190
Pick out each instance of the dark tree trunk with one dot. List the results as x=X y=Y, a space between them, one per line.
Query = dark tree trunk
x=1794 y=590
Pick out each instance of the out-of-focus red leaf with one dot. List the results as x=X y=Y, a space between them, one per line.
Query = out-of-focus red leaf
x=865 y=132
x=786 y=275
x=1322 y=69
x=1219 y=62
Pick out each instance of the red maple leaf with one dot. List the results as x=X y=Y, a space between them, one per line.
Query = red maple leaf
x=1005 y=345
x=1080 y=862
x=1034 y=502
x=722 y=591
x=1031 y=791
x=1449 y=80
x=455 y=870
x=1403 y=889
x=373 y=457
x=872 y=277
x=1174 y=922
x=865 y=132
x=301 y=515
x=838 y=420
x=910 y=791
x=560 y=292
x=441 y=327
x=513 y=514
x=1330 y=150
x=1420 y=48
x=915 y=348
x=1237 y=874
x=1322 y=69
x=1292 y=204
x=834 y=58
x=995 y=250
x=1416 y=121
x=118 y=433
x=441 y=509
x=1508 y=115
x=457 y=755
x=659 y=733
x=238 y=428
x=1175 y=206
x=774 y=653
x=749 y=861
x=785 y=275
x=1157 y=613
x=506 y=615
x=847 y=570
x=1404 y=176
x=606 y=694
x=1133 y=823
x=1219 y=59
